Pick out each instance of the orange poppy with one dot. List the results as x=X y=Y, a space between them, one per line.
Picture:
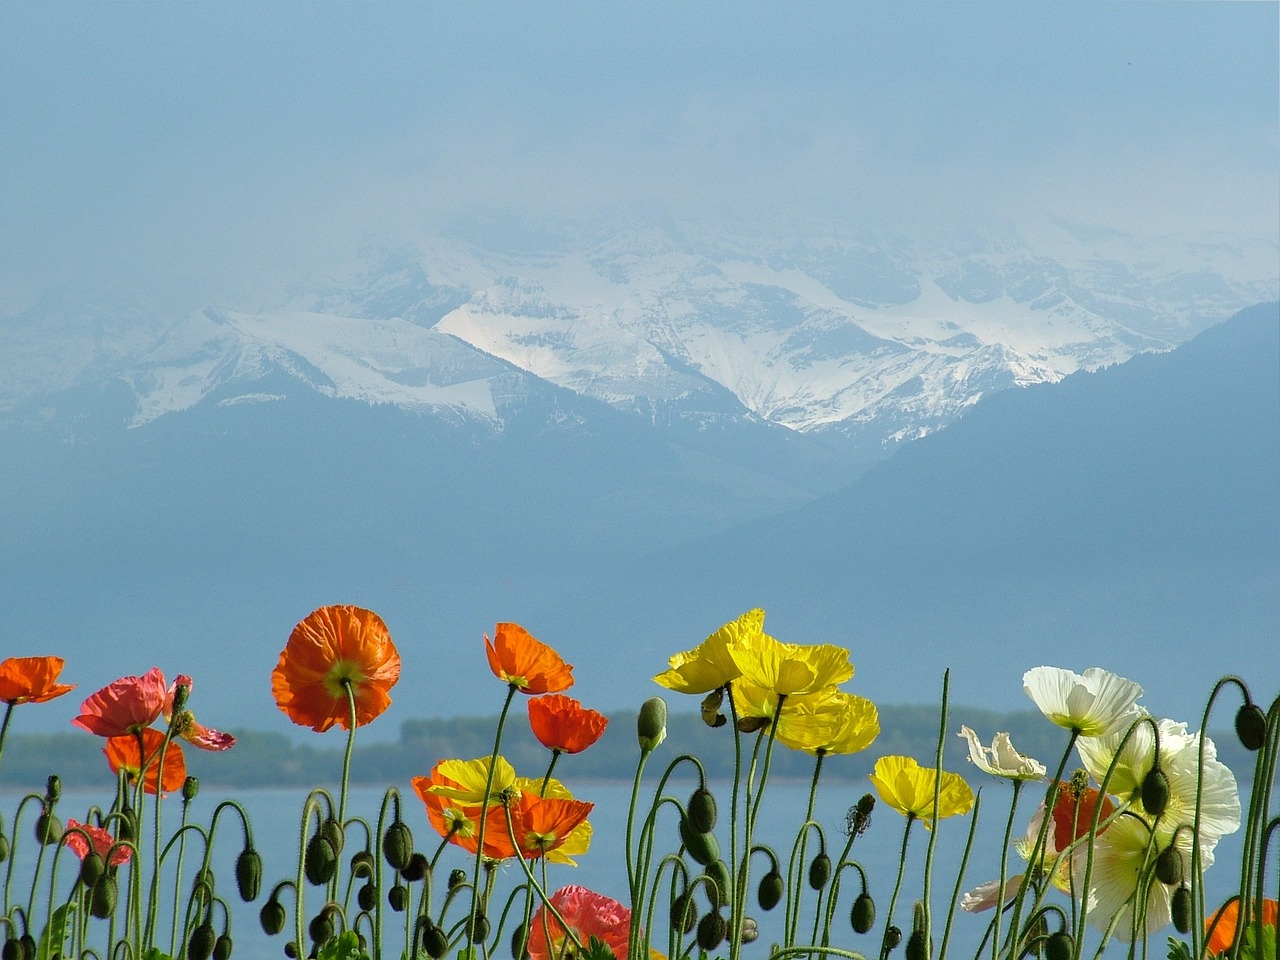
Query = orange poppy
x=527 y=664
x=332 y=648
x=1221 y=927
x=1073 y=813
x=543 y=824
x=562 y=723
x=31 y=680
x=123 y=754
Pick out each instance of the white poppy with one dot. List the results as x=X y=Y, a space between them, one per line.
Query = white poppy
x=1001 y=759
x=1135 y=758
x=1093 y=704
x=983 y=896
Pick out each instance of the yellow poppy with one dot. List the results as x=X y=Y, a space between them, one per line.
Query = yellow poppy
x=908 y=787
x=710 y=664
x=790 y=669
x=836 y=722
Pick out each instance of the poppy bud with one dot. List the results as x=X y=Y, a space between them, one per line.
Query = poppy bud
x=332 y=831
x=319 y=861
x=478 y=928
x=52 y=788
x=249 y=874
x=892 y=937
x=397 y=845
x=684 y=915
x=1155 y=791
x=1251 y=726
x=320 y=929
x=362 y=864
x=720 y=892
x=769 y=893
x=12 y=949
x=434 y=941
x=127 y=824
x=819 y=871
x=200 y=946
x=917 y=946
x=1181 y=909
x=1169 y=866
x=367 y=896
x=415 y=869
x=291 y=950
x=863 y=915
x=180 y=693
x=751 y=724
x=1059 y=946
x=102 y=897
x=4 y=848
x=702 y=810
x=651 y=724
x=91 y=868
x=703 y=847
x=711 y=931
x=29 y=949
x=750 y=930
x=519 y=942
x=48 y=829
x=223 y=948
x=457 y=877
x=272 y=917
x=202 y=884
x=190 y=788
x=398 y=898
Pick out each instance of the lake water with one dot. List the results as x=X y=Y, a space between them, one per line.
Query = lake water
x=274 y=815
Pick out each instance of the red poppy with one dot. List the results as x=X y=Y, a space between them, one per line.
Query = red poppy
x=104 y=844
x=123 y=754
x=1221 y=927
x=562 y=723
x=121 y=708
x=31 y=680
x=1073 y=813
x=588 y=914
x=526 y=663
x=334 y=648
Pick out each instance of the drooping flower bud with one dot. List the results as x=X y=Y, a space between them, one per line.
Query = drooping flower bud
x=320 y=929
x=892 y=937
x=1059 y=946
x=272 y=917
x=862 y=917
x=478 y=928
x=684 y=913
x=12 y=949
x=200 y=945
x=1251 y=726
x=651 y=724
x=416 y=868
x=102 y=897
x=703 y=847
x=223 y=947
x=190 y=788
x=91 y=868
x=819 y=871
x=397 y=845
x=4 y=848
x=249 y=874
x=1155 y=791
x=769 y=893
x=398 y=898
x=291 y=950
x=711 y=930
x=29 y=949
x=434 y=941
x=519 y=943
x=1181 y=909
x=332 y=831
x=750 y=930
x=319 y=862
x=362 y=864
x=702 y=810
x=719 y=892
x=1169 y=866
x=48 y=828
x=367 y=896
x=457 y=877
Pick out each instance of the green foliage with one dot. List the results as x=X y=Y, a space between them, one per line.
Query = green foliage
x=1178 y=949
x=596 y=949
x=345 y=946
x=54 y=938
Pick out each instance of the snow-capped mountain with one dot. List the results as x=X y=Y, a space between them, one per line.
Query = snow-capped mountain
x=863 y=339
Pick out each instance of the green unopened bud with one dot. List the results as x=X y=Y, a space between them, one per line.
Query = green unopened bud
x=362 y=864
x=332 y=831
x=457 y=877
x=48 y=829
x=720 y=891
x=415 y=869
x=223 y=948
x=319 y=862
x=272 y=917
x=1169 y=866
x=1059 y=946
x=52 y=788
x=1155 y=791
x=819 y=871
x=398 y=898
x=367 y=896
x=249 y=874
x=892 y=937
x=1251 y=726
x=917 y=946
x=519 y=943
x=684 y=913
x=1181 y=909
x=200 y=946
x=29 y=949
x=478 y=928
x=397 y=845
x=434 y=941
x=4 y=848
x=91 y=868
x=320 y=929
x=102 y=897
x=769 y=893
x=190 y=788
x=702 y=810
x=863 y=915
x=651 y=724
x=750 y=930
x=711 y=930
x=703 y=847
x=180 y=693
x=127 y=824
x=291 y=950
x=12 y=949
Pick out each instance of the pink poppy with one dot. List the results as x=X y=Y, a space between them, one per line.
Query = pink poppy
x=186 y=727
x=103 y=843
x=588 y=914
x=124 y=707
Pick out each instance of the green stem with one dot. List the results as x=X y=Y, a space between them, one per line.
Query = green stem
x=346 y=757
x=4 y=727
x=1004 y=872
x=484 y=814
x=893 y=900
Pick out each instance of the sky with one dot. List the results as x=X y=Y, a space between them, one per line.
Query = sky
x=193 y=153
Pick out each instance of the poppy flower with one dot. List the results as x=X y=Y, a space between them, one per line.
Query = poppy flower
x=1001 y=759
x=103 y=843
x=125 y=706
x=1094 y=704
x=562 y=723
x=123 y=754
x=588 y=914
x=908 y=787
x=31 y=680
x=334 y=648
x=525 y=662
x=710 y=665
x=1073 y=813
x=828 y=722
x=1221 y=927
x=790 y=669
x=186 y=727
x=544 y=824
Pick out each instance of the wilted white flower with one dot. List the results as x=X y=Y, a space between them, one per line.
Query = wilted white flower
x=983 y=896
x=1001 y=759
x=1093 y=704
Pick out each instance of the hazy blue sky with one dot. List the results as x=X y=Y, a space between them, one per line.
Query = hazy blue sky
x=215 y=150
